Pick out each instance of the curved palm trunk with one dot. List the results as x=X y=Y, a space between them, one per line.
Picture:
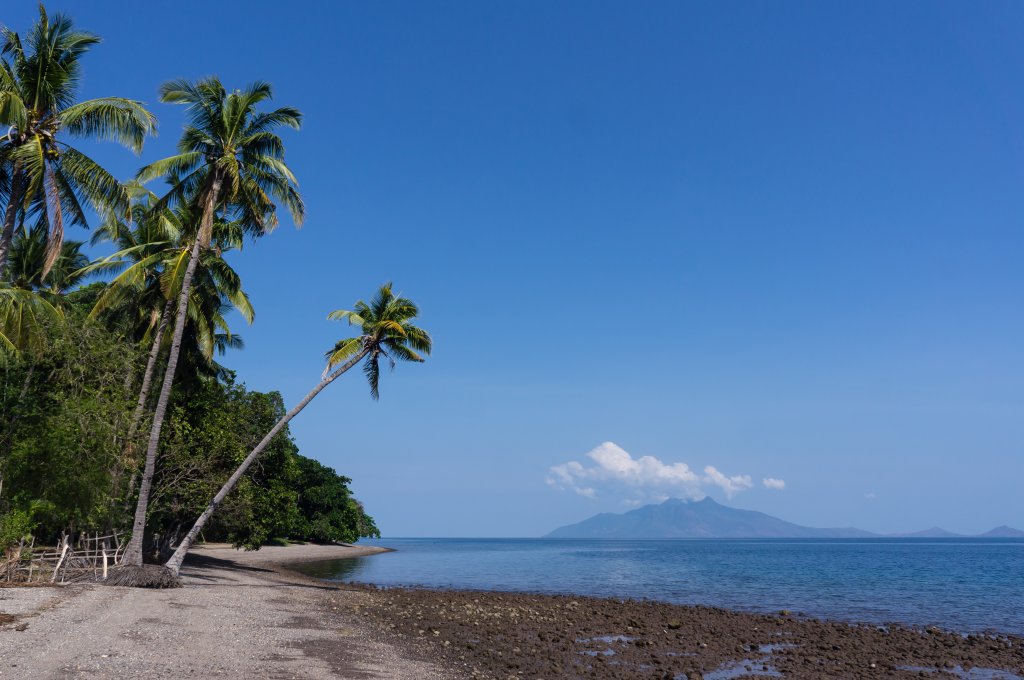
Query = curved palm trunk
x=17 y=188
x=133 y=553
x=174 y=564
x=147 y=378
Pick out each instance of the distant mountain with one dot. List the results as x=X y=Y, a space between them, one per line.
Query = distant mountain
x=1003 y=532
x=934 y=532
x=677 y=518
x=694 y=519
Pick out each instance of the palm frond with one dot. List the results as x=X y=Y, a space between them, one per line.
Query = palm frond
x=56 y=219
x=342 y=351
x=371 y=369
x=387 y=332
x=115 y=119
x=103 y=190
x=344 y=315
x=23 y=318
x=181 y=164
x=12 y=108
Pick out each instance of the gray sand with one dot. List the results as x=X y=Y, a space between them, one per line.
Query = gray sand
x=237 y=616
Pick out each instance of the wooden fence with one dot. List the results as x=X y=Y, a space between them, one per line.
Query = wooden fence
x=86 y=559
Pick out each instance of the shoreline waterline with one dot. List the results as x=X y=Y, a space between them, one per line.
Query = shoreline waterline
x=967 y=586
x=498 y=633
x=284 y=623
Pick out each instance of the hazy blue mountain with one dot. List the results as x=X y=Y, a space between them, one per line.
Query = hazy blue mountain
x=677 y=518
x=694 y=519
x=1003 y=532
x=934 y=532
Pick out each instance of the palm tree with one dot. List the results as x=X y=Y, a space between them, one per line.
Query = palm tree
x=230 y=160
x=143 y=251
x=27 y=258
x=386 y=332
x=38 y=81
x=153 y=257
x=24 y=316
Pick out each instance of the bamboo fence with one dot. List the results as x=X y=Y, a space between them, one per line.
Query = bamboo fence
x=86 y=559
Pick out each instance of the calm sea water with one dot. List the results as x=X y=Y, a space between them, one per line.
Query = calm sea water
x=960 y=584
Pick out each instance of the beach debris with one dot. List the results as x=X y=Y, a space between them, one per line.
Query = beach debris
x=145 y=576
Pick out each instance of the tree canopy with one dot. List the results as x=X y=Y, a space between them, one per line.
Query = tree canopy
x=83 y=341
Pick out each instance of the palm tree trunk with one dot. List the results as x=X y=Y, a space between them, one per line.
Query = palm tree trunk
x=133 y=553
x=17 y=188
x=140 y=407
x=147 y=378
x=174 y=564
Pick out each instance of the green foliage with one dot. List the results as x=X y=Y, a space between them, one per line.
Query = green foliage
x=27 y=260
x=328 y=512
x=39 y=78
x=24 y=316
x=72 y=356
x=150 y=263
x=387 y=333
x=205 y=440
x=63 y=415
x=228 y=142
x=15 y=526
x=283 y=495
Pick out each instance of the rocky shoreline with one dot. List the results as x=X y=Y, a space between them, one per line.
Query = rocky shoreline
x=517 y=635
x=248 y=615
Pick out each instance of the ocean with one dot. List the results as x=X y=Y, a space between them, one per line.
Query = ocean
x=967 y=585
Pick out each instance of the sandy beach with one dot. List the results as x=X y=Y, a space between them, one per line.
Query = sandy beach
x=245 y=615
x=238 y=616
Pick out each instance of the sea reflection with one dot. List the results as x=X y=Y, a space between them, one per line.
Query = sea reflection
x=335 y=570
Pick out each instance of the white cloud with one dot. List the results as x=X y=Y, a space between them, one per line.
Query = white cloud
x=870 y=495
x=613 y=465
x=773 y=483
x=730 y=485
x=643 y=479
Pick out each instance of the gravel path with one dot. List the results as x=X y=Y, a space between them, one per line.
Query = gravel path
x=238 y=616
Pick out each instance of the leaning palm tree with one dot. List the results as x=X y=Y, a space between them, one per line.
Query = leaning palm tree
x=230 y=161
x=39 y=77
x=386 y=332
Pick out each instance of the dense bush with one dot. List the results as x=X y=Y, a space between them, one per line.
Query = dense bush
x=65 y=466
x=327 y=510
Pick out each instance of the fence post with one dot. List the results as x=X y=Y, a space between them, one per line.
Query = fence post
x=60 y=561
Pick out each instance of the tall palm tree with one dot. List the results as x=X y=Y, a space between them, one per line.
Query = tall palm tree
x=386 y=332
x=229 y=160
x=143 y=250
x=39 y=78
x=153 y=256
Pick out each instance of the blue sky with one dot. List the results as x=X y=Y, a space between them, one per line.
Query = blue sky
x=783 y=240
